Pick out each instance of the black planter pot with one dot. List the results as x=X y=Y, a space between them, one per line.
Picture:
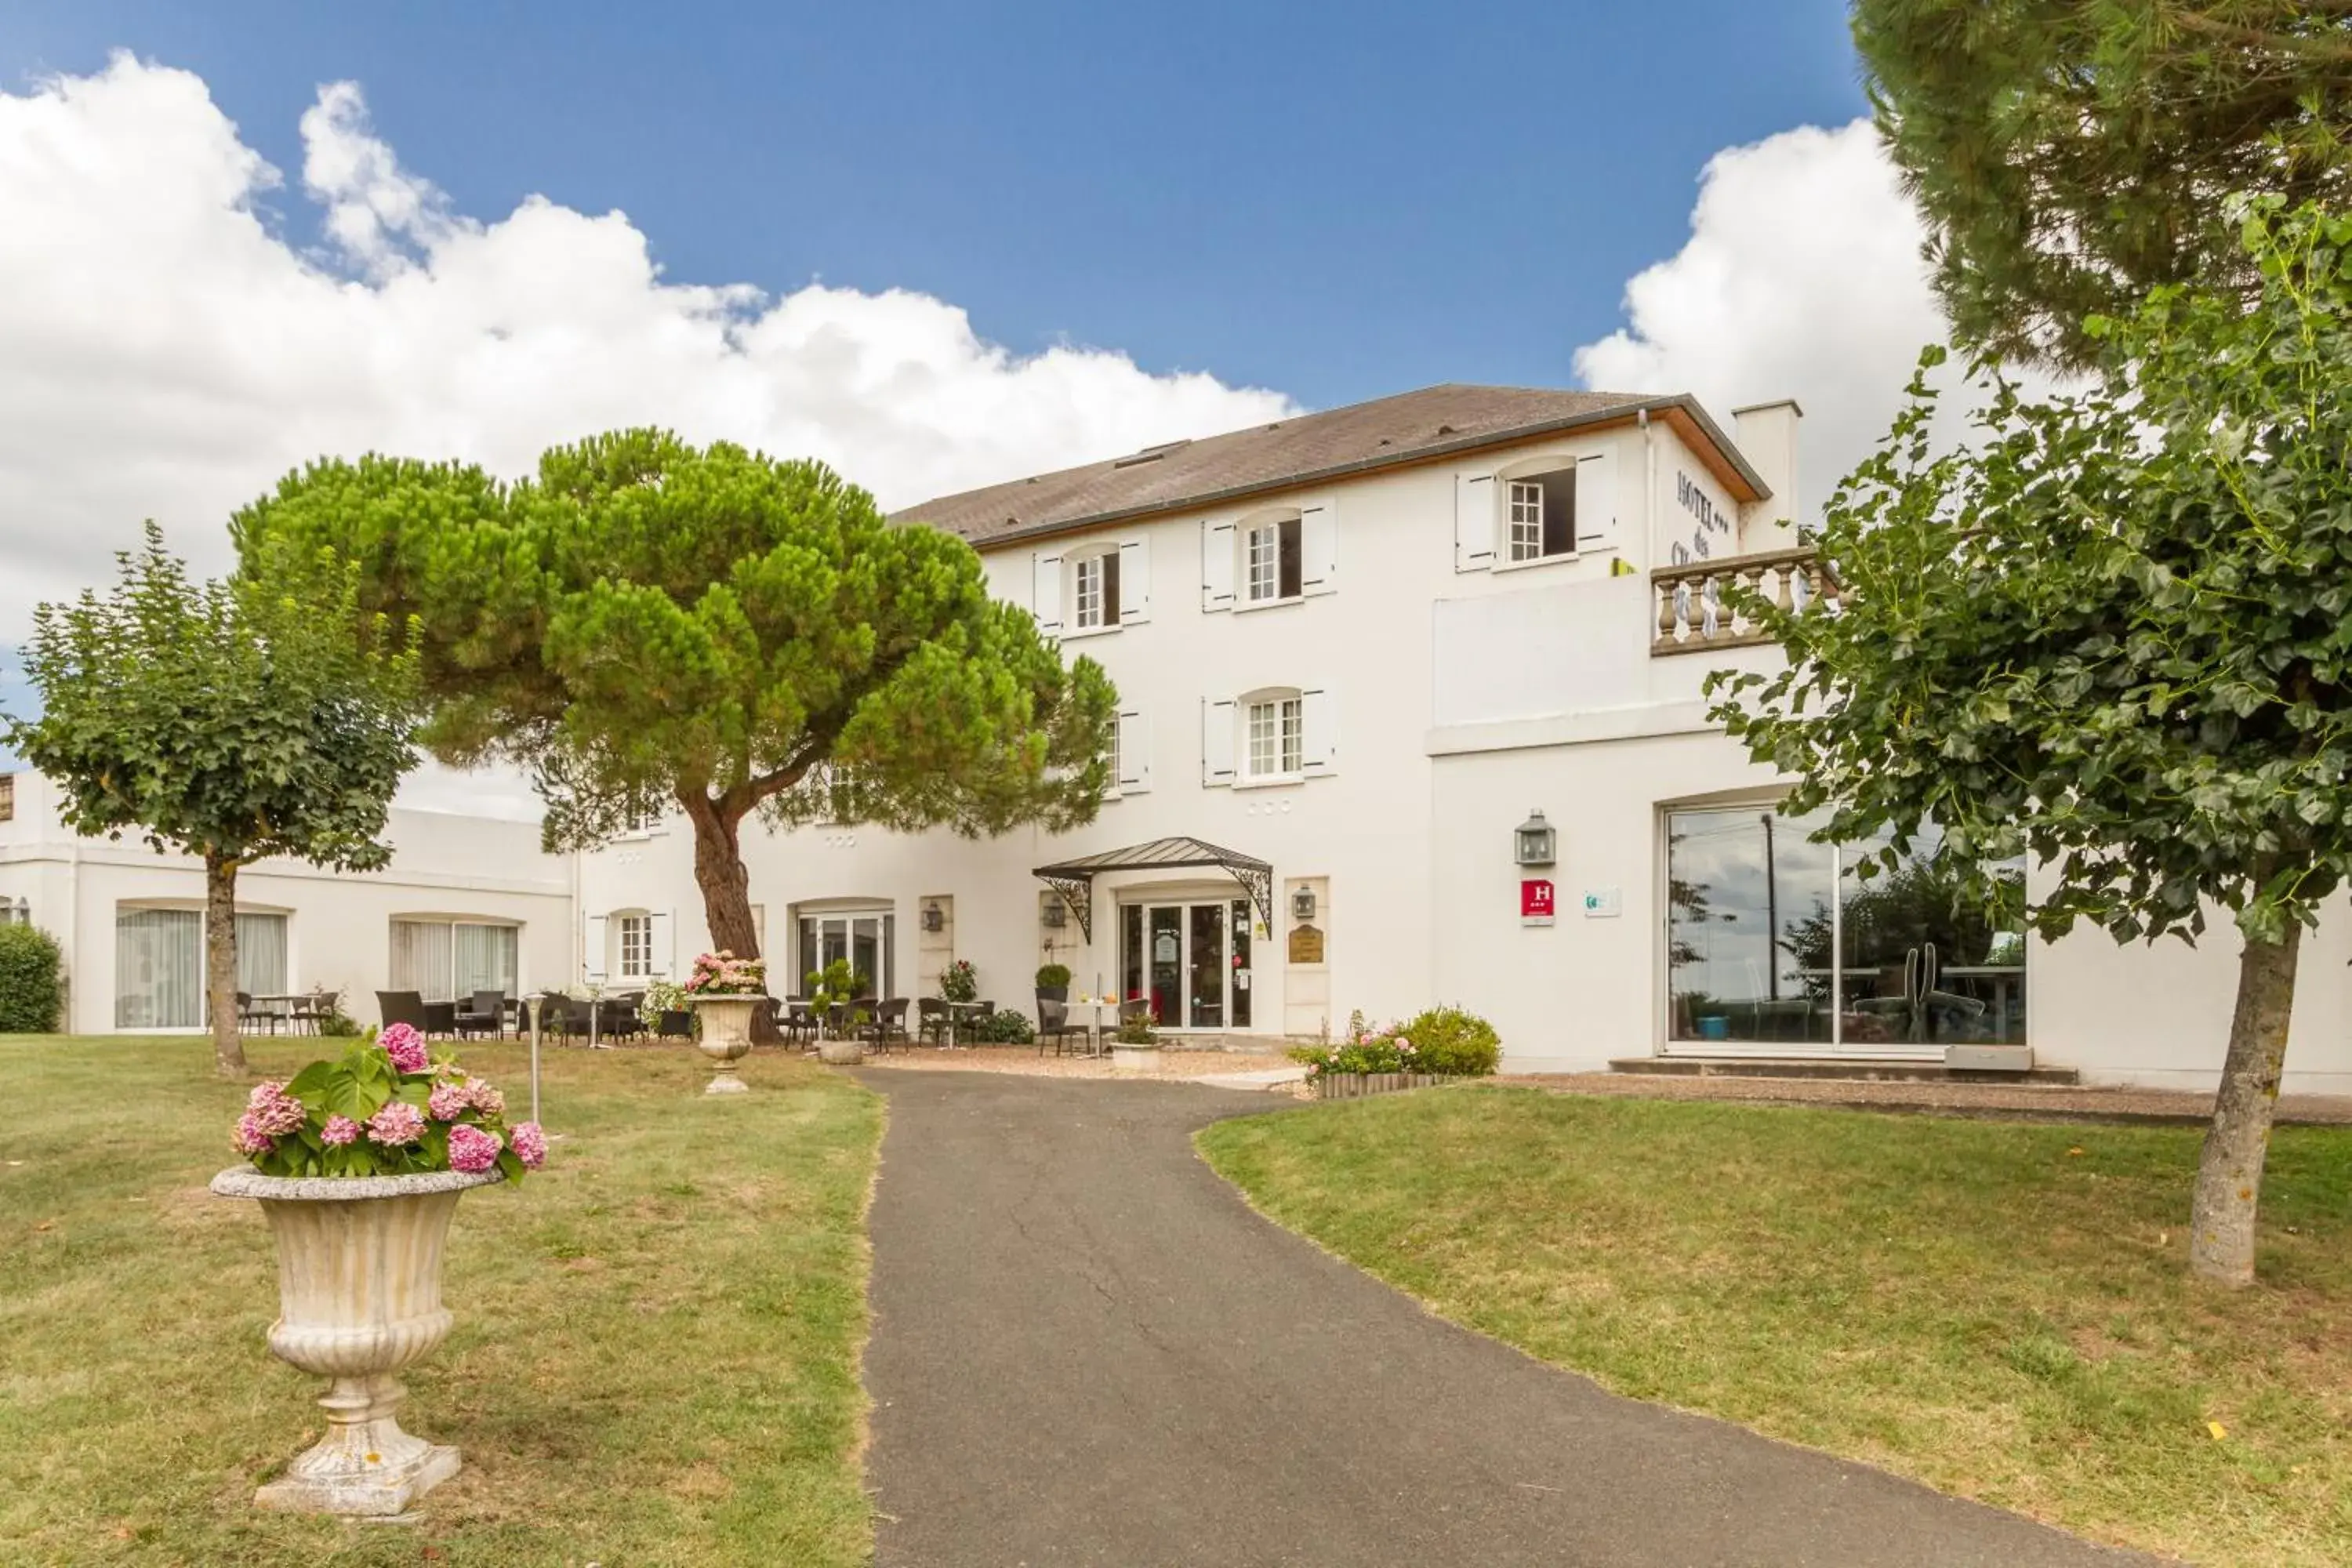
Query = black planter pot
x=1053 y=994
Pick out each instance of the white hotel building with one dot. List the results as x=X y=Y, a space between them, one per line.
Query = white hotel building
x=1356 y=652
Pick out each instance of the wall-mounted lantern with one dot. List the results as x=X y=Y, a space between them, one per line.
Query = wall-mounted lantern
x=1302 y=904
x=934 y=918
x=1535 y=843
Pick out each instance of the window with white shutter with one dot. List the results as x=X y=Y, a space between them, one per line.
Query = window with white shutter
x=1318 y=551
x=1047 y=600
x=1217 y=566
x=1131 y=753
x=1134 y=581
x=1320 y=722
x=1474 y=522
x=1217 y=741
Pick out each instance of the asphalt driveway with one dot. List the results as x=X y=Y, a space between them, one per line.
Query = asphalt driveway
x=1087 y=1350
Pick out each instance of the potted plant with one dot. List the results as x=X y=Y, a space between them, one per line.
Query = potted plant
x=836 y=983
x=358 y=1164
x=1054 y=983
x=960 y=981
x=724 y=990
x=1136 y=1045
x=664 y=1009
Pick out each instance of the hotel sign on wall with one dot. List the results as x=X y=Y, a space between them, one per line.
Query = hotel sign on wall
x=1701 y=524
x=1536 y=902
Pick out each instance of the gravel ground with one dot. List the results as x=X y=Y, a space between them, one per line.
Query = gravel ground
x=1944 y=1098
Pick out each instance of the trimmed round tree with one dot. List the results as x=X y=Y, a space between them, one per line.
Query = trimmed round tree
x=645 y=624
x=232 y=721
x=2115 y=633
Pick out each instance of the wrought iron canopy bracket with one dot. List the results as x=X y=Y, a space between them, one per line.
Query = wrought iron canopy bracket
x=1077 y=890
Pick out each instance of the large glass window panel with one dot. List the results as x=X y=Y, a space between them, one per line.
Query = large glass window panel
x=1240 y=964
x=1925 y=963
x=1166 y=937
x=483 y=958
x=1130 y=953
x=1206 y=974
x=423 y=959
x=158 y=969
x=1748 y=918
x=261 y=954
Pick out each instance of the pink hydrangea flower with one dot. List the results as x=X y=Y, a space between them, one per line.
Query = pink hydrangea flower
x=340 y=1130
x=274 y=1110
x=530 y=1144
x=405 y=1046
x=484 y=1098
x=249 y=1138
x=472 y=1149
x=447 y=1101
x=397 y=1123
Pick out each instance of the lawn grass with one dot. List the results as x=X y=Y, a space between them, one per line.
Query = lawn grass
x=655 y=1357
x=1998 y=1309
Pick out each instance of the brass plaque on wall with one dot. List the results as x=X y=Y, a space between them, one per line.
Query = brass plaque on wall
x=1306 y=945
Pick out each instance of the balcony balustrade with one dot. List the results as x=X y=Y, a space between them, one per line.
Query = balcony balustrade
x=1696 y=613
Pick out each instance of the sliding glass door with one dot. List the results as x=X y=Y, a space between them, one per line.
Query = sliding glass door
x=158 y=969
x=1775 y=941
x=445 y=960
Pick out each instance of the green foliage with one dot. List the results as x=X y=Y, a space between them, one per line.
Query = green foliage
x=663 y=997
x=31 y=994
x=337 y=1025
x=1449 y=1041
x=646 y=621
x=2068 y=157
x=2112 y=633
x=264 y=717
x=958 y=981
x=1052 y=974
x=1136 y=1030
x=1005 y=1027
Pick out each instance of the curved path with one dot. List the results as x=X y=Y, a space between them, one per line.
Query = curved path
x=1087 y=1350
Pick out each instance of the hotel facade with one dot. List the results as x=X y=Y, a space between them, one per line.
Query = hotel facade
x=1409 y=712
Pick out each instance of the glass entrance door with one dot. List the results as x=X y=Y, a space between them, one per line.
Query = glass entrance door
x=1192 y=960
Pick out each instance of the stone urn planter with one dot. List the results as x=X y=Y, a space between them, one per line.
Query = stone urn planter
x=358 y=1298
x=1136 y=1058
x=840 y=1053
x=726 y=1038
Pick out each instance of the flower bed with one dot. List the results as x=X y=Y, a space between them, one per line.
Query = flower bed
x=1436 y=1044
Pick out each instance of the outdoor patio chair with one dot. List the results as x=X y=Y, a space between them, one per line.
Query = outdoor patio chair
x=1054 y=1024
x=402 y=1007
x=485 y=1013
x=248 y=1015
x=441 y=1019
x=799 y=1022
x=677 y=1024
x=934 y=1023
x=889 y=1026
x=620 y=1018
x=308 y=1015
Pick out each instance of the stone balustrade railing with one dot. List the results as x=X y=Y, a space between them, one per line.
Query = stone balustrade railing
x=1695 y=612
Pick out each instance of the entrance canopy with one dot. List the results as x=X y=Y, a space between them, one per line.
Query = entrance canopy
x=1074 y=880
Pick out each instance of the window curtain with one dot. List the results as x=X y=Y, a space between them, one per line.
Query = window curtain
x=422 y=960
x=483 y=959
x=158 y=969
x=261 y=954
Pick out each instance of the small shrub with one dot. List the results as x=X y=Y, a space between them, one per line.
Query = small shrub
x=960 y=981
x=32 y=995
x=335 y=1023
x=1005 y=1027
x=1451 y=1041
x=1050 y=976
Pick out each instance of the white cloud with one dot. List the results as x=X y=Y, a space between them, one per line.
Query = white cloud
x=1802 y=278
x=167 y=351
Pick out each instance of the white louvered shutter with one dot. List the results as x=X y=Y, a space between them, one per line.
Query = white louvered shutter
x=1474 y=522
x=1217 y=566
x=1216 y=740
x=1596 y=502
x=1318 y=723
x=1318 y=550
x=595 y=955
x=1134 y=581
x=1047 y=599
x=1134 y=752
x=661 y=946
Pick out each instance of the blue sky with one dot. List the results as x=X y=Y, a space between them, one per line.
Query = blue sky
x=1338 y=201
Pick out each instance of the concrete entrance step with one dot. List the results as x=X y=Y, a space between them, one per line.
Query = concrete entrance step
x=1851 y=1071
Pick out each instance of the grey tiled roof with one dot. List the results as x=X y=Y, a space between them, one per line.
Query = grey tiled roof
x=1407 y=427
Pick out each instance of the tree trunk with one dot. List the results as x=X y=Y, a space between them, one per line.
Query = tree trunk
x=2230 y=1171
x=726 y=887
x=220 y=961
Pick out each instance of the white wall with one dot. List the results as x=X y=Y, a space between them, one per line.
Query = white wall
x=339 y=923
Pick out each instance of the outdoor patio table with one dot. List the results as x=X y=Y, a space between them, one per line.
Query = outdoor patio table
x=1095 y=1005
